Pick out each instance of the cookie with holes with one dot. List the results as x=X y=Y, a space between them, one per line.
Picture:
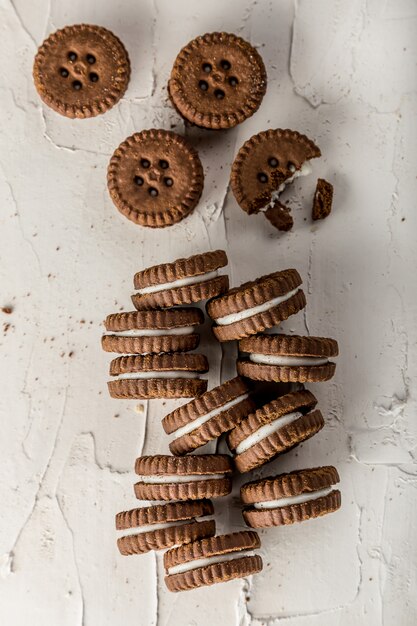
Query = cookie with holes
x=266 y=163
x=171 y=375
x=256 y=305
x=215 y=412
x=194 y=477
x=275 y=428
x=212 y=560
x=164 y=526
x=81 y=71
x=288 y=358
x=183 y=281
x=152 y=332
x=288 y=498
x=218 y=80
x=155 y=178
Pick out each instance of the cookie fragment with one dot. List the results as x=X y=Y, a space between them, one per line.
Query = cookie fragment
x=288 y=358
x=323 y=198
x=279 y=215
x=195 y=477
x=212 y=560
x=292 y=497
x=155 y=178
x=164 y=526
x=81 y=71
x=256 y=305
x=152 y=332
x=274 y=428
x=184 y=281
x=215 y=412
x=172 y=375
x=217 y=81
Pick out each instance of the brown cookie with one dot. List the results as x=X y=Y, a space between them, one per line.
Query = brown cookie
x=274 y=428
x=81 y=71
x=256 y=305
x=155 y=178
x=288 y=358
x=215 y=412
x=323 y=198
x=171 y=375
x=183 y=281
x=288 y=498
x=195 y=477
x=152 y=332
x=164 y=526
x=218 y=80
x=266 y=163
x=279 y=215
x=212 y=560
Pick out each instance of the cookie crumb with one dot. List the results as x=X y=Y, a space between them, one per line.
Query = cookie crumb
x=323 y=198
x=279 y=216
x=7 y=310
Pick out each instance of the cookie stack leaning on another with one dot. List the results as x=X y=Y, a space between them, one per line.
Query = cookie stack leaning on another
x=154 y=339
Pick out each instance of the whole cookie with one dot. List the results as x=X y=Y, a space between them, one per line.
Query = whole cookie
x=288 y=358
x=155 y=178
x=217 y=81
x=212 y=560
x=164 y=525
x=81 y=71
x=266 y=163
x=289 y=498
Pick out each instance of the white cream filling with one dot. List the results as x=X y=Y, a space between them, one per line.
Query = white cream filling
x=210 y=560
x=283 y=360
x=303 y=497
x=199 y=421
x=139 y=530
x=304 y=170
x=156 y=374
x=260 y=308
x=266 y=430
x=180 y=282
x=163 y=479
x=153 y=332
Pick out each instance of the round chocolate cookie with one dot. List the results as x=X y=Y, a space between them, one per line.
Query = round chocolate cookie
x=171 y=375
x=194 y=477
x=288 y=358
x=164 y=526
x=218 y=80
x=289 y=498
x=155 y=178
x=183 y=281
x=266 y=163
x=152 y=332
x=212 y=560
x=256 y=305
x=81 y=71
x=273 y=429
x=215 y=412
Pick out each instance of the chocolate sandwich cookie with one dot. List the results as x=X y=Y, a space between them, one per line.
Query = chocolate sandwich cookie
x=81 y=71
x=323 y=199
x=279 y=215
x=215 y=412
x=256 y=305
x=266 y=163
x=164 y=526
x=290 y=498
x=195 y=477
x=152 y=332
x=171 y=375
x=217 y=81
x=212 y=560
x=155 y=178
x=183 y=281
x=288 y=358
x=274 y=428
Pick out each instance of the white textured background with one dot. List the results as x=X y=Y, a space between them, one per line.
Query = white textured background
x=344 y=72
